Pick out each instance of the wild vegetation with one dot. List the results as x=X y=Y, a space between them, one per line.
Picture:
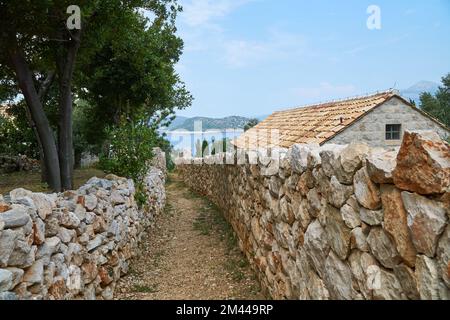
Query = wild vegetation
x=65 y=88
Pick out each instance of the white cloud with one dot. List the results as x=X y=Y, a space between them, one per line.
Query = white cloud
x=278 y=45
x=326 y=91
x=201 y=12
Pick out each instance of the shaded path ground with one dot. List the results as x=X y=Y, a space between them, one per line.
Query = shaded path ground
x=190 y=253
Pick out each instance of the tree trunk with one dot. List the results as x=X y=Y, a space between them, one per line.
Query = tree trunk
x=66 y=156
x=45 y=134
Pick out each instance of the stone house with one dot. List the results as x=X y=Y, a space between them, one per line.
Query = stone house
x=378 y=119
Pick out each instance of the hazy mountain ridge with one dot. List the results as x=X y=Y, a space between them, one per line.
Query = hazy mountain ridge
x=233 y=122
x=417 y=89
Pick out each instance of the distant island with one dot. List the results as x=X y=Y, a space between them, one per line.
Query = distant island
x=233 y=122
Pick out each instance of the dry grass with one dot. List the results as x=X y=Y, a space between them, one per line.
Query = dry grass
x=32 y=180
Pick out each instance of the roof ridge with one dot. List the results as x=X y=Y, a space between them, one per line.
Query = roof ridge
x=357 y=97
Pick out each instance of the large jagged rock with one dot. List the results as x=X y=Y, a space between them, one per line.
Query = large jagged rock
x=426 y=221
x=380 y=166
x=349 y=161
x=317 y=246
x=383 y=248
x=350 y=213
x=423 y=163
x=428 y=282
x=338 y=233
x=407 y=280
x=16 y=217
x=367 y=192
x=443 y=256
x=396 y=224
x=299 y=156
x=339 y=193
x=338 y=278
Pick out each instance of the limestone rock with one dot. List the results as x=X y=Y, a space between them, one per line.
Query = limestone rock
x=14 y=218
x=299 y=157
x=427 y=278
x=350 y=213
x=43 y=203
x=22 y=255
x=96 y=242
x=90 y=202
x=8 y=296
x=383 y=248
x=302 y=215
x=350 y=160
x=362 y=265
x=358 y=240
x=395 y=223
x=339 y=193
x=407 y=280
x=330 y=154
x=69 y=220
x=7 y=244
x=385 y=285
x=380 y=166
x=316 y=246
x=423 y=163
x=338 y=278
x=443 y=256
x=38 y=231
x=316 y=287
x=367 y=193
x=34 y=274
x=371 y=217
x=338 y=233
x=6 y=280
x=314 y=203
x=426 y=221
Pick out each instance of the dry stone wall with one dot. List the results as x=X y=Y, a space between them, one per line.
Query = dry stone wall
x=339 y=222
x=73 y=245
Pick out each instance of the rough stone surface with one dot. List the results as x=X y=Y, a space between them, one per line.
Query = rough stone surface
x=380 y=166
x=427 y=278
x=335 y=211
x=14 y=218
x=423 y=163
x=426 y=221
x=371 y=217
x=395 y=223
x=383 y=248
x=74 y=245
x=350 y=213
x=366 y=192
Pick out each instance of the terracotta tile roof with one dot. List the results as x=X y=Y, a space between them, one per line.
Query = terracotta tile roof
x=311 y=124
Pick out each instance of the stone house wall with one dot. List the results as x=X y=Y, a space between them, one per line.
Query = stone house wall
x=372 y=127
x=76 y=244
x=339 y=222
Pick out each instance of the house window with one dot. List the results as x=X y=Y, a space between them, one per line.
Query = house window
x=393 y=131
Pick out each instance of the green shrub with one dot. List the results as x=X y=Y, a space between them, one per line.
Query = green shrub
x=129 y=154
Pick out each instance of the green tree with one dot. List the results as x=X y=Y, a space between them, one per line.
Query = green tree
x=250 y=124
x=49 y=63
x=438 y=105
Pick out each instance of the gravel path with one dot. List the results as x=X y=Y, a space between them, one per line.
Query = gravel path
x=190 y=253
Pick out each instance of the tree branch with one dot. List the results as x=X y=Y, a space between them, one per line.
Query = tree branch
x=45 y=87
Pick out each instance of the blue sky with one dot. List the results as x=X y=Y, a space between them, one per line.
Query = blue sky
x=252 y=57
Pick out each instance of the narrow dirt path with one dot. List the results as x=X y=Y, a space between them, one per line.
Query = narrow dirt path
x=190 y=253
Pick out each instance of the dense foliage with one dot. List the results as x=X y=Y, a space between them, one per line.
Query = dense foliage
x=78 y=84
x=438 y=105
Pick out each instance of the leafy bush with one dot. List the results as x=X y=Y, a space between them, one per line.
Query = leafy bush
x=130 y=151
